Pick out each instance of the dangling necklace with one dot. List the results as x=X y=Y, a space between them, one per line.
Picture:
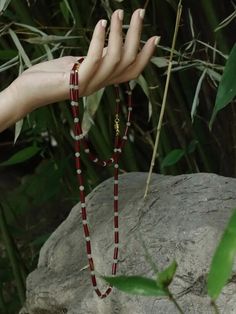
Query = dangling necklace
x=114 y=159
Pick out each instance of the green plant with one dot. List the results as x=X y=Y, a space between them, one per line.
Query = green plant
x=42 y=158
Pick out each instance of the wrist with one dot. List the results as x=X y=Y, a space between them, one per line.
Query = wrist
x=9 y=112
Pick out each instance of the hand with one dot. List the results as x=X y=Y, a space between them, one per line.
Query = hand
x=48 y=82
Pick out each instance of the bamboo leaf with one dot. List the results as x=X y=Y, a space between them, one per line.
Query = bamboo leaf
x=173 y=157
x=160 y=62
x=66 y=4
x=165 y=278
x=18 y=128
x=136 y=285
x=8 y=54
x=9 y=64
x=222 y=262
x=227 y=87
x=91 y=105
x=192 y=146
x=47 y=39
x=37 y=31
x=3 y=5
x=20 y=48
x=21 y=156
x=196 y=96
x=226 y=21
x=144 y=85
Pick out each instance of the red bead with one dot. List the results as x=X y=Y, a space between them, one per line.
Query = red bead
x=108 y=290
x=83 y=214
x=86 y=230
x=98 y=292
x=115 y=256
x=88 y=247
x=116 y=237
x=116 y=220
x=114 y=268
x=91 y=265
x=115 y=189
x=94 y=281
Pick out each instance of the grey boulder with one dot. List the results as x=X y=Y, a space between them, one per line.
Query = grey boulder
x=181 y=219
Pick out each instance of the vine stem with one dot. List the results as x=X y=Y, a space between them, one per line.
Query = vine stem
x=163 y=106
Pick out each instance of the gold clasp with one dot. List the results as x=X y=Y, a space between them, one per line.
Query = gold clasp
x=117 y=124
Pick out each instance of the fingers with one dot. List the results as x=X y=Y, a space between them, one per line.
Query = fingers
x=113 y=52
x=132 y=40
x=116 y=63
x=95 y=52
x=133 y=71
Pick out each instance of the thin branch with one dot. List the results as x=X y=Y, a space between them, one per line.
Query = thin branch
x=177 y=22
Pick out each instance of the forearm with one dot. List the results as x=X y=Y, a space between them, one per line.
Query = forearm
x=29 y=92
x=10 y=112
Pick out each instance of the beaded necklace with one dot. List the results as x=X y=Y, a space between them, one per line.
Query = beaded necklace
x=119 y=143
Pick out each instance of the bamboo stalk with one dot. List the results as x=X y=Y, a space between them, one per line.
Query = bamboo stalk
x=178 y=16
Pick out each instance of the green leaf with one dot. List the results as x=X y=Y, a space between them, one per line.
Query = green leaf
x=21 y=156
x=192 y=146
x=20 y=48
x=222 y=262
x=227 y=87
x=3 y=5
x=48 y=39
x=8 y=54
x=160 y=62
x=136 y=285
x=144 y=85
x=91 y=106
x=18 y=129
x=197 y=92
x=173 y=157
x=166 y=276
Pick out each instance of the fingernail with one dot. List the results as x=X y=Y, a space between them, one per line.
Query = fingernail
x=142 y=13
x=104 y=23
x=157 y=40
x=121 y=14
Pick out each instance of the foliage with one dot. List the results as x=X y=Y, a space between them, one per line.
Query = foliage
x=222 y=263
x=136 y=285
x=42 y=157
x=227 y=87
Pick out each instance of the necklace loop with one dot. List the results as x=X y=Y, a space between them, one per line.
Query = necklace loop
x=80 y=141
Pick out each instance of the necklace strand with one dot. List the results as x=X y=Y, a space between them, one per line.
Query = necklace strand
x=114 y=159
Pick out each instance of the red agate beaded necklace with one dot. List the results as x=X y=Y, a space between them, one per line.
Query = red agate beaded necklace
x=119 y=143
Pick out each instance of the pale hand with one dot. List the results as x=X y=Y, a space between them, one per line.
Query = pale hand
x=48 y=82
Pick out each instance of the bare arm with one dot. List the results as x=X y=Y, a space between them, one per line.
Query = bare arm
x=47 y=82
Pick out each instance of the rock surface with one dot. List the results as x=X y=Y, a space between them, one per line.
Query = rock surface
x=182 y=218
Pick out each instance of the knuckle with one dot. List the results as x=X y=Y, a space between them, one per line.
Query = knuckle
x=114 y=57
x=95 y=59
x=116 y=60
x=131 y=59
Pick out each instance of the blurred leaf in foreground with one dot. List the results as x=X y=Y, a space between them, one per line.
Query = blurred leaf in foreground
x=227 y=87
x=136 y=285
x=165 y=278
x=172 y=157
x=222 y=262
x=22 y=156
